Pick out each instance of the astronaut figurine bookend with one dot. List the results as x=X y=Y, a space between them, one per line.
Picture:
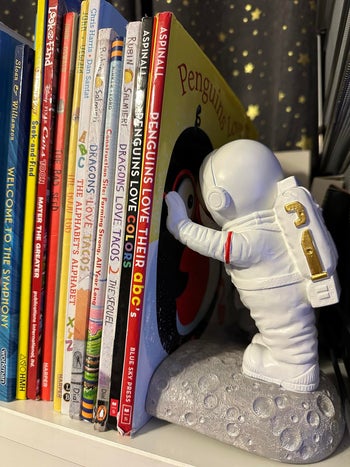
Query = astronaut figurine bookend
x=282 y=261
x=277 y=252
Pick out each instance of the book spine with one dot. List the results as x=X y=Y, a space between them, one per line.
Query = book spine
x=52 y=51
x=132 y=123
x=142 y=234
x=11 y=245
x=60 y=149
x=78 y=197
x=64 y=328
x=29 y=209
x=89 y=214
x=131 y=46
x=99 y=280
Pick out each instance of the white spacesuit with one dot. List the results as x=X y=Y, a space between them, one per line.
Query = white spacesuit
x=239 y=184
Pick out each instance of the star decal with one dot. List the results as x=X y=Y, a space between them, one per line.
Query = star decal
x=255 y=14
x=313 y=5
x=253 y=111
x=222 y=37
x=303 y=59
x=304 y=142
x=248 y=68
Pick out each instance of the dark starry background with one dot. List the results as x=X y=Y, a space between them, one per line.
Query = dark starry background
x=266 y=50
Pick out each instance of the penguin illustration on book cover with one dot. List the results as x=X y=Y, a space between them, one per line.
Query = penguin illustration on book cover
x=187 y=282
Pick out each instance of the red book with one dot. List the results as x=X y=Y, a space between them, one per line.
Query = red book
x=142 y=235
x=55 y=12
x=52 y=45
x=57 y=183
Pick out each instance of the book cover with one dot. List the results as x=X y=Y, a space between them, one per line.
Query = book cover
x=55 y=12
x=30 y=196
x=9 y=39
x=105 y=213
x=64 y=329
x=132 y=49
x=57 y=192
x=119 y=281
x=13 y=180
x=90 y=204
x=78 y=194
x=101 y=15
x=190 y=111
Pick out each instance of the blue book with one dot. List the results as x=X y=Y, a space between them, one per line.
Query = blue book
x=9 y=39
x=14 y=152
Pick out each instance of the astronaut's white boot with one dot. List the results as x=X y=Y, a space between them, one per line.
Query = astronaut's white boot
x=258 y=362
x=284 y=352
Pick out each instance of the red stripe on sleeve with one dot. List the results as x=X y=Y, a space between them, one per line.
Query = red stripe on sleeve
x=228 y=247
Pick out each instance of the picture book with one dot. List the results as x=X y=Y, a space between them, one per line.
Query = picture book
x=29 y=206
x=101 y=15
x=122 y=278
x=190 y=111
x=89 y=213
x=105 y=213
x=55 y=11
x=64 y=329
x=123 y=148
x=57 y=192
x=79 y=175
x=9 y=39
x=13 y=172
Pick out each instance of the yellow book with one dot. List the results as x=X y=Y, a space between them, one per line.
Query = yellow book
x=68 y=210
x=21 y=385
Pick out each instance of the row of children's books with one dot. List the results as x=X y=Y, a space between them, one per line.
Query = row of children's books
x=101 y=117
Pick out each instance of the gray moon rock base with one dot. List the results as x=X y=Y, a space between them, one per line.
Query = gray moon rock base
x=201 y=386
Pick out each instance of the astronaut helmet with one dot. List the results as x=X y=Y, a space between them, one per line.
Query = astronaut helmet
x=238 y=179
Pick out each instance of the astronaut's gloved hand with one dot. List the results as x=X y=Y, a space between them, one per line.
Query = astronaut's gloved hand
x=177 y=213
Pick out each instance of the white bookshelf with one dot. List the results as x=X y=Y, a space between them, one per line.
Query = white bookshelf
x=31 y=432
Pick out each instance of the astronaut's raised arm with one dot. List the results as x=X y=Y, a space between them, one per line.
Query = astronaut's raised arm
x=206 y=241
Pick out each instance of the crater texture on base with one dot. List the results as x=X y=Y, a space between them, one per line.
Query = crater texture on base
x=201 y=386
